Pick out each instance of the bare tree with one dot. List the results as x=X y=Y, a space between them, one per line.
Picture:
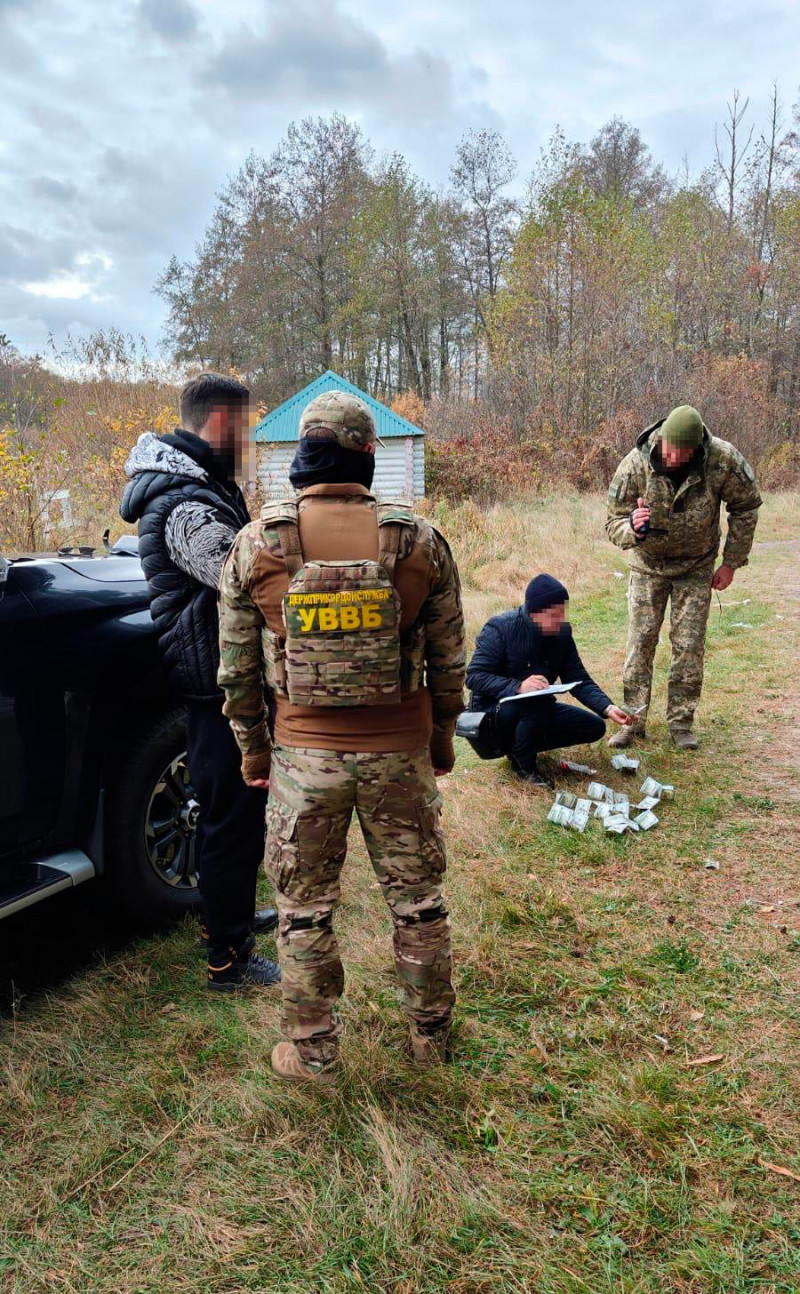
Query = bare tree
x=483 y=170
x=729 y=167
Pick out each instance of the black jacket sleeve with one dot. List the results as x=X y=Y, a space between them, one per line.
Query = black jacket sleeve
x=487 y=669
x=589 y=694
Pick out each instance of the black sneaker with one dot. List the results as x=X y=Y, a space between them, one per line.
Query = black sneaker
x=265 y=921
x=532 y=777
x=242 y=969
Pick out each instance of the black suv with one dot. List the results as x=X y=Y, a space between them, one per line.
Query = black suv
x=93 y=777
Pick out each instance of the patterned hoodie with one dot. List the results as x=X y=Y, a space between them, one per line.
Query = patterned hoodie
x=189 y=514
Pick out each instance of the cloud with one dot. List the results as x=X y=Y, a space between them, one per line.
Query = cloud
x=64 y=287
x=48 y=189
x=173 y=21
x=314 y=53
x=120 y=125
x=73 y=285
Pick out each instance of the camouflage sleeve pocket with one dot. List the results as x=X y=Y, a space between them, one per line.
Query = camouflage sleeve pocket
x=412 y=658
x=274 y=654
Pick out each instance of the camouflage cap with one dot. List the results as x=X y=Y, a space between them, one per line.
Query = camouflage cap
x=343 y=414
x=683 y=426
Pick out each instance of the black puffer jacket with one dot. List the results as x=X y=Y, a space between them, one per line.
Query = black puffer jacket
x=166 y=471
x=510 y=648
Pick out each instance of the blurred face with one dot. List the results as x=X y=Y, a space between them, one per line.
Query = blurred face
x=675 y=455
x=551 y=619
x=229 y=432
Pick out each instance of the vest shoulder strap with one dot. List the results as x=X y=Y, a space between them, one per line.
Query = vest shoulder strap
x=278 y=510
x=281 y=516
x=394 y=517
x=398 y=510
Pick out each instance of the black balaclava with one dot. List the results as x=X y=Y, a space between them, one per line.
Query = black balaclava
x=326 y=462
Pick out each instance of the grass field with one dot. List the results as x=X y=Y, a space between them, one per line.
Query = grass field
x=623 y=1108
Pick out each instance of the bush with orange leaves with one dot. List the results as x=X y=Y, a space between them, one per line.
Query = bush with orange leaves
x=103 y=481
x=74 y=453
x=410 y=406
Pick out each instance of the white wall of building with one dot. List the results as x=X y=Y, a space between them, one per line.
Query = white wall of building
x=399 y=468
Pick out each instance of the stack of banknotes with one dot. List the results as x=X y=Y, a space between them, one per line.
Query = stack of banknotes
x=611 y=807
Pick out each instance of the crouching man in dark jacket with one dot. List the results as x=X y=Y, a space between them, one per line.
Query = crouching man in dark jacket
x=521 y=652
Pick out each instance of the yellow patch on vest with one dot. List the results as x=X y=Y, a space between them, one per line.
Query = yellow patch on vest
x=341 y=597
x=348 y=611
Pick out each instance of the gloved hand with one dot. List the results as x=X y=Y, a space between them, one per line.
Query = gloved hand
x=443 y=754
x=255 y=768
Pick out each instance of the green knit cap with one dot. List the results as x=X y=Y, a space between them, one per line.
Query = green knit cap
x=684 y=426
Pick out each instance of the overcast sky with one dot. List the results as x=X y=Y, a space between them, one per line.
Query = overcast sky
x=121 y=121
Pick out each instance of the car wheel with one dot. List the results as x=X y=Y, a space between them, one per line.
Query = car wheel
x=151 y=822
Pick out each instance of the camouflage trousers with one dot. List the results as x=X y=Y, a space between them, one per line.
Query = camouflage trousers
x=648 y=595
x=312 y=797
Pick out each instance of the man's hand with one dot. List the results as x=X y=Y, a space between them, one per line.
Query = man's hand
x=640 y=517
x=723 y=577
x=260 y=783
x=533 y=683
x=619 y=716
x=442 y=772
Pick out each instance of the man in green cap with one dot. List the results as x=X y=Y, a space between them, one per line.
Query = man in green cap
x=664 y=509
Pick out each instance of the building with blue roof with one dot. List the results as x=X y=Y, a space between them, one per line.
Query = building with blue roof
x=399 y=462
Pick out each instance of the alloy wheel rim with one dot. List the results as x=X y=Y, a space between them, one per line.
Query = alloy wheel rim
x=171 y=826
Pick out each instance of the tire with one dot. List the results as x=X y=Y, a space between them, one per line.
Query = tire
x=151 y=817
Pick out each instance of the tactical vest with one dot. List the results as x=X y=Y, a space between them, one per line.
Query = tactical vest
x=341 y=644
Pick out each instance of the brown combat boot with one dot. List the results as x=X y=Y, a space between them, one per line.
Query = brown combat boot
x=627 y=735
x=684 y=738
x=288 y=1064
x=429 y=1049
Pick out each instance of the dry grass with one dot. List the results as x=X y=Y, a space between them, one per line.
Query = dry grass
x=569 y=1148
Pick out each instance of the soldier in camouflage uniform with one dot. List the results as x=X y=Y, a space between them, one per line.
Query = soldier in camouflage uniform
x=350 y=611
x=664 y=510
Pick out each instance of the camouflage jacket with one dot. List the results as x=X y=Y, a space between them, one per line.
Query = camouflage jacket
x=252 y=582
x=685 y=527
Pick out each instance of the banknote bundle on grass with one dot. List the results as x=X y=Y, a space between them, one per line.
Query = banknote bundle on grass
x=612 y=808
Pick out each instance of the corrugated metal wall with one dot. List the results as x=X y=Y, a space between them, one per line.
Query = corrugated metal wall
x=399 y=468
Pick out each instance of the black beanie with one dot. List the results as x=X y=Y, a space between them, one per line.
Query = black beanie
x=544 y=591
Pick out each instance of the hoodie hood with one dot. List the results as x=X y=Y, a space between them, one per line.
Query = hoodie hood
x=153 y=454
x=154 y=467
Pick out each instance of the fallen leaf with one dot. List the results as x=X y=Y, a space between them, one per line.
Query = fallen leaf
x=770 y=907
x=664 y=1041
x=540 y=1049
x=170 y=1006
x=696 y=1015
x=707 y=1060
x=783 y=1172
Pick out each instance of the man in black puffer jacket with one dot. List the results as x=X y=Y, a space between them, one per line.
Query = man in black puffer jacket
x=519 y=653
x=183 y=493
